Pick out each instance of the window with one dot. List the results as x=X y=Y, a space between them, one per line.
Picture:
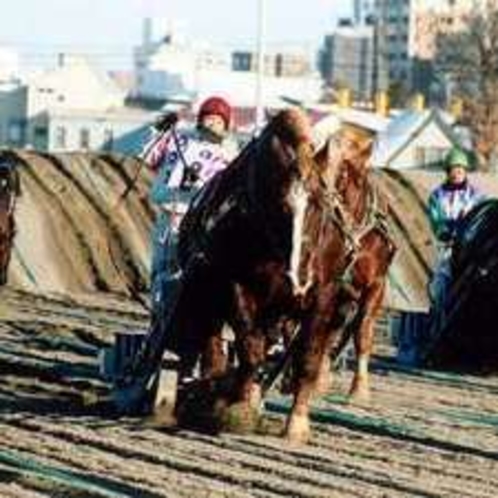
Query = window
x=40 y=137
x=84 y=138
x=16 y=132
x=60 y=137
x=242 y=61
x=429 y=156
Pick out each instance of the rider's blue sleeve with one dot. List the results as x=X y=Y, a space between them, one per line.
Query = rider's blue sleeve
x=163 y=191
x=437 y=217
x=160 y=192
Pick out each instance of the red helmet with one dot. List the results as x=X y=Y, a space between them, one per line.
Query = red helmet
x=217 y=106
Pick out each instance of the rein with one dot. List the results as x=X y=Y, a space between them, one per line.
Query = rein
x=169 y=126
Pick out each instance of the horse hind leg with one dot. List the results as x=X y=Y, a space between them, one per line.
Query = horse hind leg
x=338 y=339
x=325 y=378
x=363 y=341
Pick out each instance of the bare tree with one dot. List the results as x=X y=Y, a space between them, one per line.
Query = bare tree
x=468 y=63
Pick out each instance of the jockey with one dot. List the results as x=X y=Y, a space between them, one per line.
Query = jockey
x=448 y=205
x=184 y=161
x=453 y=199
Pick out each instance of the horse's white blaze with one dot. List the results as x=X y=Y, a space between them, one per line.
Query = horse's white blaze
x=299 y=201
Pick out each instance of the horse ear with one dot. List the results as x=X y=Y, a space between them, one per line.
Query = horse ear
x=334 y=153
x=321 y=158
x=367 y=149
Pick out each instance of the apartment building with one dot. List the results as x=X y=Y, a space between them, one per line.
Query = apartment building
x=347 y=59
x=407 y=34
x=394 y=40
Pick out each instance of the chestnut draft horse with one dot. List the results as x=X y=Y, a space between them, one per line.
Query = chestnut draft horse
x=235 y=246
x=9 y=190
x=344 y=260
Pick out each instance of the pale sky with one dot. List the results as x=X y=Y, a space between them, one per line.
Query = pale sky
x=112 y=27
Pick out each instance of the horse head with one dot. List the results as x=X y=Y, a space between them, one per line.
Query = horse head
x=9 y=190
x=283 y=152
x=344 y=163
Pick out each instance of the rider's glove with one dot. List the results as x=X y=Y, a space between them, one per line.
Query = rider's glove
x=166 y=121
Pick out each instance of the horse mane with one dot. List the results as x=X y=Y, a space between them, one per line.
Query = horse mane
x=292 y=125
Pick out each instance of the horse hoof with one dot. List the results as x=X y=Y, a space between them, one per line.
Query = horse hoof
x=324 y=384
x=198 y=407
x=255 y=397
x=240 y=418
x=163 y=416
x=359 y=396
x=298 y=430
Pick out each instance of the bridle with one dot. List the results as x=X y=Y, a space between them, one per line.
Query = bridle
x=334 y=210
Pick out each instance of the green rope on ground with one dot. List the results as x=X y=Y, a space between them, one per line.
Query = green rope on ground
x=366 y=423
x=379 y=427
x=471 y=417
x=16 y=461
x=451 y=379
x=337 y=399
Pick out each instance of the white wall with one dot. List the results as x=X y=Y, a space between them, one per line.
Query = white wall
x=126 y=129
x=431 y=137
x=73 y=85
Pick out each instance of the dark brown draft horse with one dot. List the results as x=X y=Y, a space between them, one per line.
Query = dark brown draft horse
x=344 y=261
x=235 y=247
x=9 y=190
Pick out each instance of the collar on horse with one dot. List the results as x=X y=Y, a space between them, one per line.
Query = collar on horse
x=374 y=219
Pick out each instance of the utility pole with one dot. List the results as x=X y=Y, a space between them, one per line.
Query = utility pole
x=260 y=111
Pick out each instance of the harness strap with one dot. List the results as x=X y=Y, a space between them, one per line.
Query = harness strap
x=374 y=219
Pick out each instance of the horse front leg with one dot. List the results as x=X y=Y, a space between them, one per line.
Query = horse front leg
x=239 y=409
x=214 y=361
x=310 y=361
x=251 y=352
x=363 y=340
x=244 y=395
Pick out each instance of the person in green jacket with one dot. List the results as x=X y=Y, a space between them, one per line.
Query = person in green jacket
x=448 y=204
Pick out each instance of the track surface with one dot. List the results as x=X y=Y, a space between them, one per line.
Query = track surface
x=425 y=434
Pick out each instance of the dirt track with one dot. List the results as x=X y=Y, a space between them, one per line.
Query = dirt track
x=425 y=433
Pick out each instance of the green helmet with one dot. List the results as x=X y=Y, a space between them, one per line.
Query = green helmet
x=456 y=157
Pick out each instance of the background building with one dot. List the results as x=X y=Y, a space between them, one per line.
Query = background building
x=170 y=70
x=394 y=21
x=74 y=106
x=347 y=59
